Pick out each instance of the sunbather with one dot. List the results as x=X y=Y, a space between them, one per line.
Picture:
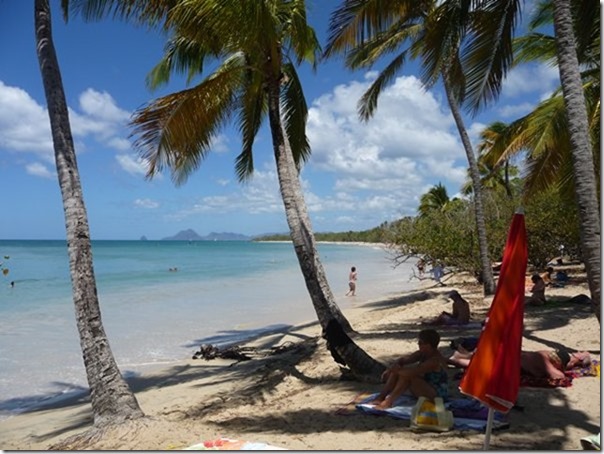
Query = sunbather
x=537 y=364
x=422 y=373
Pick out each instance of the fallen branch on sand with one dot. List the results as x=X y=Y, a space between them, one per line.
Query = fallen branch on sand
x=209 y=351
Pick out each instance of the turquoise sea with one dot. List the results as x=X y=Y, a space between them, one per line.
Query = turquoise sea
x=221 y=292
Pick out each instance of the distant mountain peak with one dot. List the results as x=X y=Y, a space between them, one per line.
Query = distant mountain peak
x=192 y=235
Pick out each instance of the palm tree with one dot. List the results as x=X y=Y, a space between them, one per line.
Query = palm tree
x=257 y=45
x=544 y=133
x=491 y=43
x=585 y=181
x=492 y=173
x=366 y=30
x=435 y=199
x=112 y=400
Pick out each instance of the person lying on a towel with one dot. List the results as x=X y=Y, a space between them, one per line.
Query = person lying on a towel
x=460 y=314
x=538 y=364
x=422 y=373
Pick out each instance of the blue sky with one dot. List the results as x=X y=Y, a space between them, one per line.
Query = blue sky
x=359 y=175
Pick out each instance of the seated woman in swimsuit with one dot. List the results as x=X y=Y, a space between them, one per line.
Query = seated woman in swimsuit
x=422 y=373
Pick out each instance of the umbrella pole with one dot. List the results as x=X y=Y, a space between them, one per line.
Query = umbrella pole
x=487 y=436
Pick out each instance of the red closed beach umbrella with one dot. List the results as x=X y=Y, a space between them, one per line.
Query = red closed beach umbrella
x=493 y=375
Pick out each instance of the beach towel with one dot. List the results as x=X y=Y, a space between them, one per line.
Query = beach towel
x=469 y=325
x=228 y=444
x=468 y=414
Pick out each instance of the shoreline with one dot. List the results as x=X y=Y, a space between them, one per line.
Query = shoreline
x=208 y=301
x=289 y=400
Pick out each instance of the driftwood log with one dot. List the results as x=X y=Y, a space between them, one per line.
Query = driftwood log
x=236 y=352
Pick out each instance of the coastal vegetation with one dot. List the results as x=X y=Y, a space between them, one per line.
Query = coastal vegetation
x=443 y=232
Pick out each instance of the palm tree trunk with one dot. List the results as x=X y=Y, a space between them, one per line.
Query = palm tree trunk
x=508 y=189
x=487 y=270
x=332 y=321
x=583 y=163
x=112 y=399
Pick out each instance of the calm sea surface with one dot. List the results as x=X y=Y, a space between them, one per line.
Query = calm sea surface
x=222 y=292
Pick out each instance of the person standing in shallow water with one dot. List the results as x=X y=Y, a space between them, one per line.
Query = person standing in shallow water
x=352 y=282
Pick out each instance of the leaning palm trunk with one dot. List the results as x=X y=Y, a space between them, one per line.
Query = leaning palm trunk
x=487 y=270
x=112 y=399
x=582 y=155
x=343 y=348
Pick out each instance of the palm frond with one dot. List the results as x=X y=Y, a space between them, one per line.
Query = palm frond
x=182 y=55
x=356 y=21
x=535 y=47
x=251 y=114
x=487 y=55
x=300 y=37
x=150 y=13
x=176 y=131
x=295 y=114
x=435 y=199
x=383 y=43
x=438 y=48
x=368 y=102
x=543 y=14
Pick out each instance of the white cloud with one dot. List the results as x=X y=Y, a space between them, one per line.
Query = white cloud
x=118 y=143
x=146 y=203
x=220 y=144
x=410 y=142
x=100 y=117
x=24 y=124
x=40 y=170
x=132 y=164
x=102 y=106
x=259 y=195
x=529 y=79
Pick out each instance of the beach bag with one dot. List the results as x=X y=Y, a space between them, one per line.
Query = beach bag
x=431 y=416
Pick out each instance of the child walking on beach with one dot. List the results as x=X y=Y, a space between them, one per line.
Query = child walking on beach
x=352 y=282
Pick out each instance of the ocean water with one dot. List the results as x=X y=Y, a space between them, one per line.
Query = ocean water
x=221 y=292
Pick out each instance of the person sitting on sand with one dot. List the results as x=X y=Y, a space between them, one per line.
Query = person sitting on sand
x=537 y=364
x=422 y=373
x=459 y=315
x=537 y=297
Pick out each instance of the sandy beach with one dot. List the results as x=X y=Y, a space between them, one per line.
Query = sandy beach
x=291 y=399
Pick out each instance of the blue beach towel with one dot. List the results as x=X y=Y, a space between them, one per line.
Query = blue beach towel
x=469 y=414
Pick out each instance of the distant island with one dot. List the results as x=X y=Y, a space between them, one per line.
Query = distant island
x=380 y=234
x=192 y=235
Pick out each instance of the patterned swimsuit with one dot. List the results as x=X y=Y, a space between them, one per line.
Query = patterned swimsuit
x=439 y=380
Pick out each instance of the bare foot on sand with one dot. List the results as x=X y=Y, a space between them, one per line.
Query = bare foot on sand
x=384 y=405
x=378 y=400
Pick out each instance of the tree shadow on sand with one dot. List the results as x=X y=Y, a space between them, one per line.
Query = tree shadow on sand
x=214 y=373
